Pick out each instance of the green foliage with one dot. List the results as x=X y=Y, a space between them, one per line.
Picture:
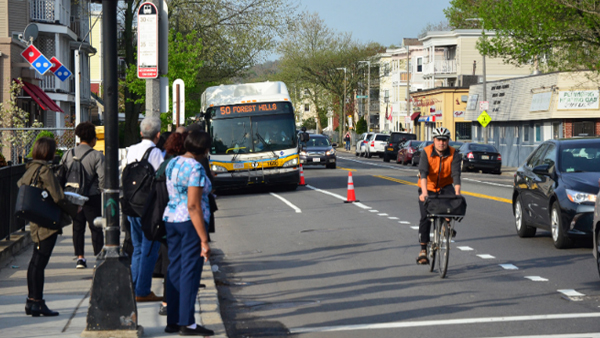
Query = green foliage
x=2 y=161
x=361 y=126
x=309 y=123
x=553 y=34
x=43 y=133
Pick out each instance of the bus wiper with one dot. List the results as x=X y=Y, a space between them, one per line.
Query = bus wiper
x=268 y=146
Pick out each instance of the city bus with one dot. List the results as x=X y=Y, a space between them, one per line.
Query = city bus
x=254 y=138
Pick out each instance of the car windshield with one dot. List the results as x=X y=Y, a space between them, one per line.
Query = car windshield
x=580 y=158
x=382 y=137
x=317 y=142
x=243 y=135
x=482 y=147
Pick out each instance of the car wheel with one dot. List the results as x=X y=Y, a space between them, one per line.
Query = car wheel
x=559 y=235
x=386 y=158
x=523 y=229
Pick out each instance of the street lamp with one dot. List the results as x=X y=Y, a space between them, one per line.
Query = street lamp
x=485 y=134
x=368 y=94
x=343 y=104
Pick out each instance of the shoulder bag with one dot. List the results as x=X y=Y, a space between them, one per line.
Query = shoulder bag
x=37 y=206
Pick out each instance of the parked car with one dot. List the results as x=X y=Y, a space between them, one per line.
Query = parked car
x=417 y=155
x=318 y=151
x=376 y=144
x=396 y=141
x=406 y=153
x=556 y=189
x=360 y=144
x=455 y=144
x=484 y=157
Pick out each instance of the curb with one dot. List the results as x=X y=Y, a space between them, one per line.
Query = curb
x=15 y=244
x=209 y=303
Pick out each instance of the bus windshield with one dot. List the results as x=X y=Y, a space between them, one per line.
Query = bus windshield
x=242 y=135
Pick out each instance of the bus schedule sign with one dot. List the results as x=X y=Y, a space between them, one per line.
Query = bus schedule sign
x=147 y=41
x=248 y=109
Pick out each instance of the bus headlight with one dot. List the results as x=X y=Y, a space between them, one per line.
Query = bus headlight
x=218 y=168
x=291 y=163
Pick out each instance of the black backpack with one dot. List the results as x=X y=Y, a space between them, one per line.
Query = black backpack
x=76 y=179
x=153 y=225
x=137 y=185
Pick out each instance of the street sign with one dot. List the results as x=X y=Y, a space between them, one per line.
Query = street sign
x=178 y=101
x=484 y=119
x=484 y=105
x=362 y=96
x=147 y=41
x=42 y=64
x=63 y=73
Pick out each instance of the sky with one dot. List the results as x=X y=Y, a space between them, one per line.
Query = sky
x=383 y=21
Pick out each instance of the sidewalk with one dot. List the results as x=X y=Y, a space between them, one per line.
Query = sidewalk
x=67 y=291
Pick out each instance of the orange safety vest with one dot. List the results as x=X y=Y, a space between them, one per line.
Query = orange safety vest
x=440 y=169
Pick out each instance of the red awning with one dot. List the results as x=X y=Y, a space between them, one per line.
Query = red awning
x=40 y=97
x=414 y=116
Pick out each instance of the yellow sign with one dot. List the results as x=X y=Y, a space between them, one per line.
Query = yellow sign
x=484 y=119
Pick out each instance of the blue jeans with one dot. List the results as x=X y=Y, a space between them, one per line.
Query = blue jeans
x=185 y=267
x=347 y=145
x=143 y=260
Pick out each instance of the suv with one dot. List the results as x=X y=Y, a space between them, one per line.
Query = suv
x=361 y=144
x=376 y=144
x=396 y=142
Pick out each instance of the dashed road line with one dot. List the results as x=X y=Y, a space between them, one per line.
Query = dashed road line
x=464 y=248
x=509 y=266
x=404 y=222
x=536 y=278
x=572 y=295
x=393 y=218
x=414 y=227
x=486 y=256
x=383 y=214
x=372 y=210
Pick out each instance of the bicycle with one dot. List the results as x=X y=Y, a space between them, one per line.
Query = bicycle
x=442 y=229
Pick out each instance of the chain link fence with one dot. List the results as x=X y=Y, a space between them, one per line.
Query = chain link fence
x=25 y=137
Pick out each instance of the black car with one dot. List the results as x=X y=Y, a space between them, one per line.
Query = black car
x=556 y=188
x=318 y=151
x=396 y=141
x=484 y=157
x=416 y=158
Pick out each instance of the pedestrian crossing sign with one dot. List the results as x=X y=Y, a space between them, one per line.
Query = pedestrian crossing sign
x=484 y=118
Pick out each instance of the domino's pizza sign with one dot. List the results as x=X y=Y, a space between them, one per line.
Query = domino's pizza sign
x=39 y=62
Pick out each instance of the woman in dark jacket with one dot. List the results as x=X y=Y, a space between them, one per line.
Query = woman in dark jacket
x=44 y=238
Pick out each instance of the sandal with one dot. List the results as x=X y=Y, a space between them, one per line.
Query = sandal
x=422 y=258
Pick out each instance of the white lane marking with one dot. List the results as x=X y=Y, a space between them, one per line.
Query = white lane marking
x=288 y=203
x=414 y=227
x=425 y=323
x=393 y=218
x=572 y=335
x=327 y=192
x=509 y=267
x=360 y=205
x=382 y=215
x=490 y=183
x=537 y=278
x=572 y=295
x=486 y=256
x=373 y=210
x=404 y=222
x=465 y=248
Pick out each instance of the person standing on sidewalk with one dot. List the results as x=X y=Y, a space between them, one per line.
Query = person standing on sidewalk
x=93 y=165
x=347 y=140
x=44 y=238
x=186 y=217
x=145 y=253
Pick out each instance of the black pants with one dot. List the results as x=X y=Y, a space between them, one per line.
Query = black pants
x=37 y=265
x=91 y=210
x=425 y=223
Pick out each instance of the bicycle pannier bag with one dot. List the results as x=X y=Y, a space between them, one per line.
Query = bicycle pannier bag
x=36 y=205
x=446 y=205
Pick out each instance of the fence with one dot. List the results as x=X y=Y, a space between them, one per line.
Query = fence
x=8 y=196
x=65 y=139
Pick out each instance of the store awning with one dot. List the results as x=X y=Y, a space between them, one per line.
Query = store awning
x=40 y=97
x=414 y=115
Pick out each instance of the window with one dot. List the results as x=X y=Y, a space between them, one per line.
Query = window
x=550 y=156
x=585 y=128
x=538 y=133
x=534 y=158
x=306 y=107
x=463 y=131
x=526 y=133
x=419 y=65
x=556 y=132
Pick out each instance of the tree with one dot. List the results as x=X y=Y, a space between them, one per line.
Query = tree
x=315 y=54
x=551 y=34
x=361 y=126
x=309 y=123
x=434 y=27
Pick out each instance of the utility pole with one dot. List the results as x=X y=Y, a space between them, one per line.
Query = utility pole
x=342 y=126
x=368 y=94
x=408 y=111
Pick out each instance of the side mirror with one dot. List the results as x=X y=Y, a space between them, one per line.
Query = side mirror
x=334 y=145
x=543 y=169
x=304 y=137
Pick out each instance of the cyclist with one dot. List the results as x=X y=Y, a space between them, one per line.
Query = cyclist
x=439 y=168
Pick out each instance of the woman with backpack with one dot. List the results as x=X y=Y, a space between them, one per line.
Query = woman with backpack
x=186 y=218
x=40 y=174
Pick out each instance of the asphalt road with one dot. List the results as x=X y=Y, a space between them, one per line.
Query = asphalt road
x=305 y=264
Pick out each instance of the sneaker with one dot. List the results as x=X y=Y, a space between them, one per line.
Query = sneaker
x=163 y=312
x=81 y=264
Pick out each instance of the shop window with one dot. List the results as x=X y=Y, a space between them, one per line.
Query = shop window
x=585 y=128
x=463 y=131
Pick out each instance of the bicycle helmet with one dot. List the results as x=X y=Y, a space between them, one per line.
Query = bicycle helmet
x=441 y=133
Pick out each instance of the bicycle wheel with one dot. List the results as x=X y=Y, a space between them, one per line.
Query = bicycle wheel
x=444 y=247
x=432 y=245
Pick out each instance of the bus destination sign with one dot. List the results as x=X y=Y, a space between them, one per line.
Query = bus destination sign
x=246 y=109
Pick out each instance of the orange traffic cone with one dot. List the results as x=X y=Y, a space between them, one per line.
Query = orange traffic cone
x=351 y=198
x=302 y=183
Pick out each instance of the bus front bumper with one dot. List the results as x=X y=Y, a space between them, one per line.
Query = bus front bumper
x=242 y=178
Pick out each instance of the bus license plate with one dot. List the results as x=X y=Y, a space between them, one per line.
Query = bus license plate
x=485 y=157
x=238 y=166
x=316 y=159
x=272 y=163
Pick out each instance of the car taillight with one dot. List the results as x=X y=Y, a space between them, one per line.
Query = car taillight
x=391 y=144
x=372 y=143
x=410 y=150
x=499 y=157
x=470 y=155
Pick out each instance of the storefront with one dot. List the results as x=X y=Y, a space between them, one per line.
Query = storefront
x=442 y=107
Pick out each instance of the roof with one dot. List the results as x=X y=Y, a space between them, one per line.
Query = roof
x=244 y=93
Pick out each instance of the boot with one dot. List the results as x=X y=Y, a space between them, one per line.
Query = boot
x=28 y=305
x=40 y=308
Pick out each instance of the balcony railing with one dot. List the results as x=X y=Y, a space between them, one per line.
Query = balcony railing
x=440 y=67
x=51 y=11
